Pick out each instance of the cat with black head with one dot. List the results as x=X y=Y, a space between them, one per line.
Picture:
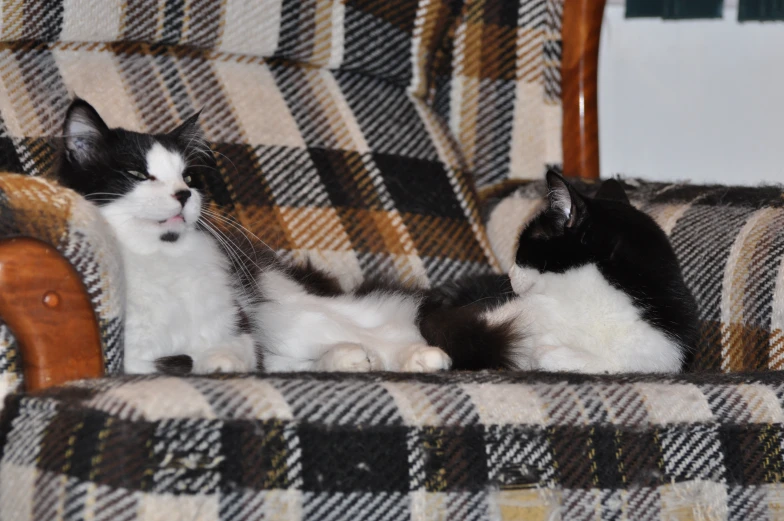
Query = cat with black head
x=596 y=287
x=182 y=303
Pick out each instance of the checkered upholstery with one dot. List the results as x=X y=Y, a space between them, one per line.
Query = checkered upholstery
x=730 y=243
x=334 y=447
x=497 y=82
x=356 y=134
x=34 y=207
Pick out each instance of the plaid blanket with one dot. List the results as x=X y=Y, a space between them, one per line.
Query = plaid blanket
x=331 y=447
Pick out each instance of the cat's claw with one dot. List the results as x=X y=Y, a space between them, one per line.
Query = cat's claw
x=349 y=357
x=426 y=359
x=222 y=362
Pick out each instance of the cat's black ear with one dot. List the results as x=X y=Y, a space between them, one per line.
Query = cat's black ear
x=189 y=132
x=612 y=190
x=565 y=203
x=85 y=133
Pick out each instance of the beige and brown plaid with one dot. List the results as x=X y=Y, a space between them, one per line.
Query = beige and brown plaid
x=497 y=82
x=35 y=207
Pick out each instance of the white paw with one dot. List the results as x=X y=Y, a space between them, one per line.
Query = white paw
x=425 y=359
x=348 y=357
x=222 y=362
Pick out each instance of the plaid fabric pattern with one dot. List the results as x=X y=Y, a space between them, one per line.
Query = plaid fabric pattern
x=34 y=207
x=497 y=81
x=355 y=447
x=324 y=152
x=730 y=243
x=10 y=363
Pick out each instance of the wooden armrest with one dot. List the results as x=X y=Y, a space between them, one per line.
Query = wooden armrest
x=581 y=32
x=46 y=306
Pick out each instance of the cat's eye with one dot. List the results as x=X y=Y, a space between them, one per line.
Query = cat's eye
x=187 y=179
x=139 y=175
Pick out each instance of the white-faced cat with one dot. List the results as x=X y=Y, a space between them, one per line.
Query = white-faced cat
x=188 y=306
x=180 y=296
x=596 y=288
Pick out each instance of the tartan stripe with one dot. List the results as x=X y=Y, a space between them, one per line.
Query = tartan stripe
x=330 y=446
x=497 y=83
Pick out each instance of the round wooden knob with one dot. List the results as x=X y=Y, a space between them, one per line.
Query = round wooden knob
x=51 y=299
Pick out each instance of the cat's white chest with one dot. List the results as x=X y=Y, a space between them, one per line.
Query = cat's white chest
x=179 y=301
x=577 y=321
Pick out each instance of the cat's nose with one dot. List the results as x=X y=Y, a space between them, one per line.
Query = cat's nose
x=182 y=196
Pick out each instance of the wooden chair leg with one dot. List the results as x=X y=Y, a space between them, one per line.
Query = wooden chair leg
x=581 y=32
x=45 y=304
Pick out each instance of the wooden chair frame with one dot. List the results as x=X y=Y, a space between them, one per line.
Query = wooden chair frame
x=581 y=32
x=51 y=315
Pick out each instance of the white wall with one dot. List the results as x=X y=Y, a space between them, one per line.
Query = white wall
x=692 y=100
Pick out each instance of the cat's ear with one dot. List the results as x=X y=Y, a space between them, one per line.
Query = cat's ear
x=85 y=133
x=565 y=203
x=611 y=190
x=189 y=132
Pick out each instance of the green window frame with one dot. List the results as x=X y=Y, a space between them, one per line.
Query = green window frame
x=676 y=9
x=760 y=10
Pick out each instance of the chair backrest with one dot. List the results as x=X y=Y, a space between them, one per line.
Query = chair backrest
x=327 y=148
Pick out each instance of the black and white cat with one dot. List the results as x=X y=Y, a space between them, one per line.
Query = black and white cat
x=187 y=303
x=596 y=288
x=180 y=296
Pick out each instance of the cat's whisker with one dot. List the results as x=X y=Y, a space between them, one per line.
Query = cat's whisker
x=220 y=219
x=246 y=287
x=233 y=251
x=233 y=222
x=227 y=159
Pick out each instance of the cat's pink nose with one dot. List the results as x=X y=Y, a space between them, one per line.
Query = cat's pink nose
x=182 y=196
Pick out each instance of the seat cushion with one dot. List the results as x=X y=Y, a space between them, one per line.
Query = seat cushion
x=439 y=446
x=730 y=244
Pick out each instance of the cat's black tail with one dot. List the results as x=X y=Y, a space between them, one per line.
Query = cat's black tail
x=469 y=339
x=453 y=318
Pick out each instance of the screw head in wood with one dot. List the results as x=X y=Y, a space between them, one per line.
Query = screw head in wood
x=51 y=299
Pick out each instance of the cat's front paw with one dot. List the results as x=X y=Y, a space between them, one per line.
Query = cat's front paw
x=422 y=358
x=222 y=362
x=349 y=357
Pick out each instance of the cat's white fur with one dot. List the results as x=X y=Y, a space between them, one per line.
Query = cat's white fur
x=577 y=321
x=302 y=332
x=180 y=298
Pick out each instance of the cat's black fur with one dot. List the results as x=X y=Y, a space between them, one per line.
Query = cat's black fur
x=451 y=317
x=630 y=250
x=116 y=151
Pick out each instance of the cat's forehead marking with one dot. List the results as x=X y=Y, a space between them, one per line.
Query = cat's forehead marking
x=164 y=164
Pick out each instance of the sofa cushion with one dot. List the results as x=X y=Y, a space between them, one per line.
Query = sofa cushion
x=441 y=446
x=730 y=243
